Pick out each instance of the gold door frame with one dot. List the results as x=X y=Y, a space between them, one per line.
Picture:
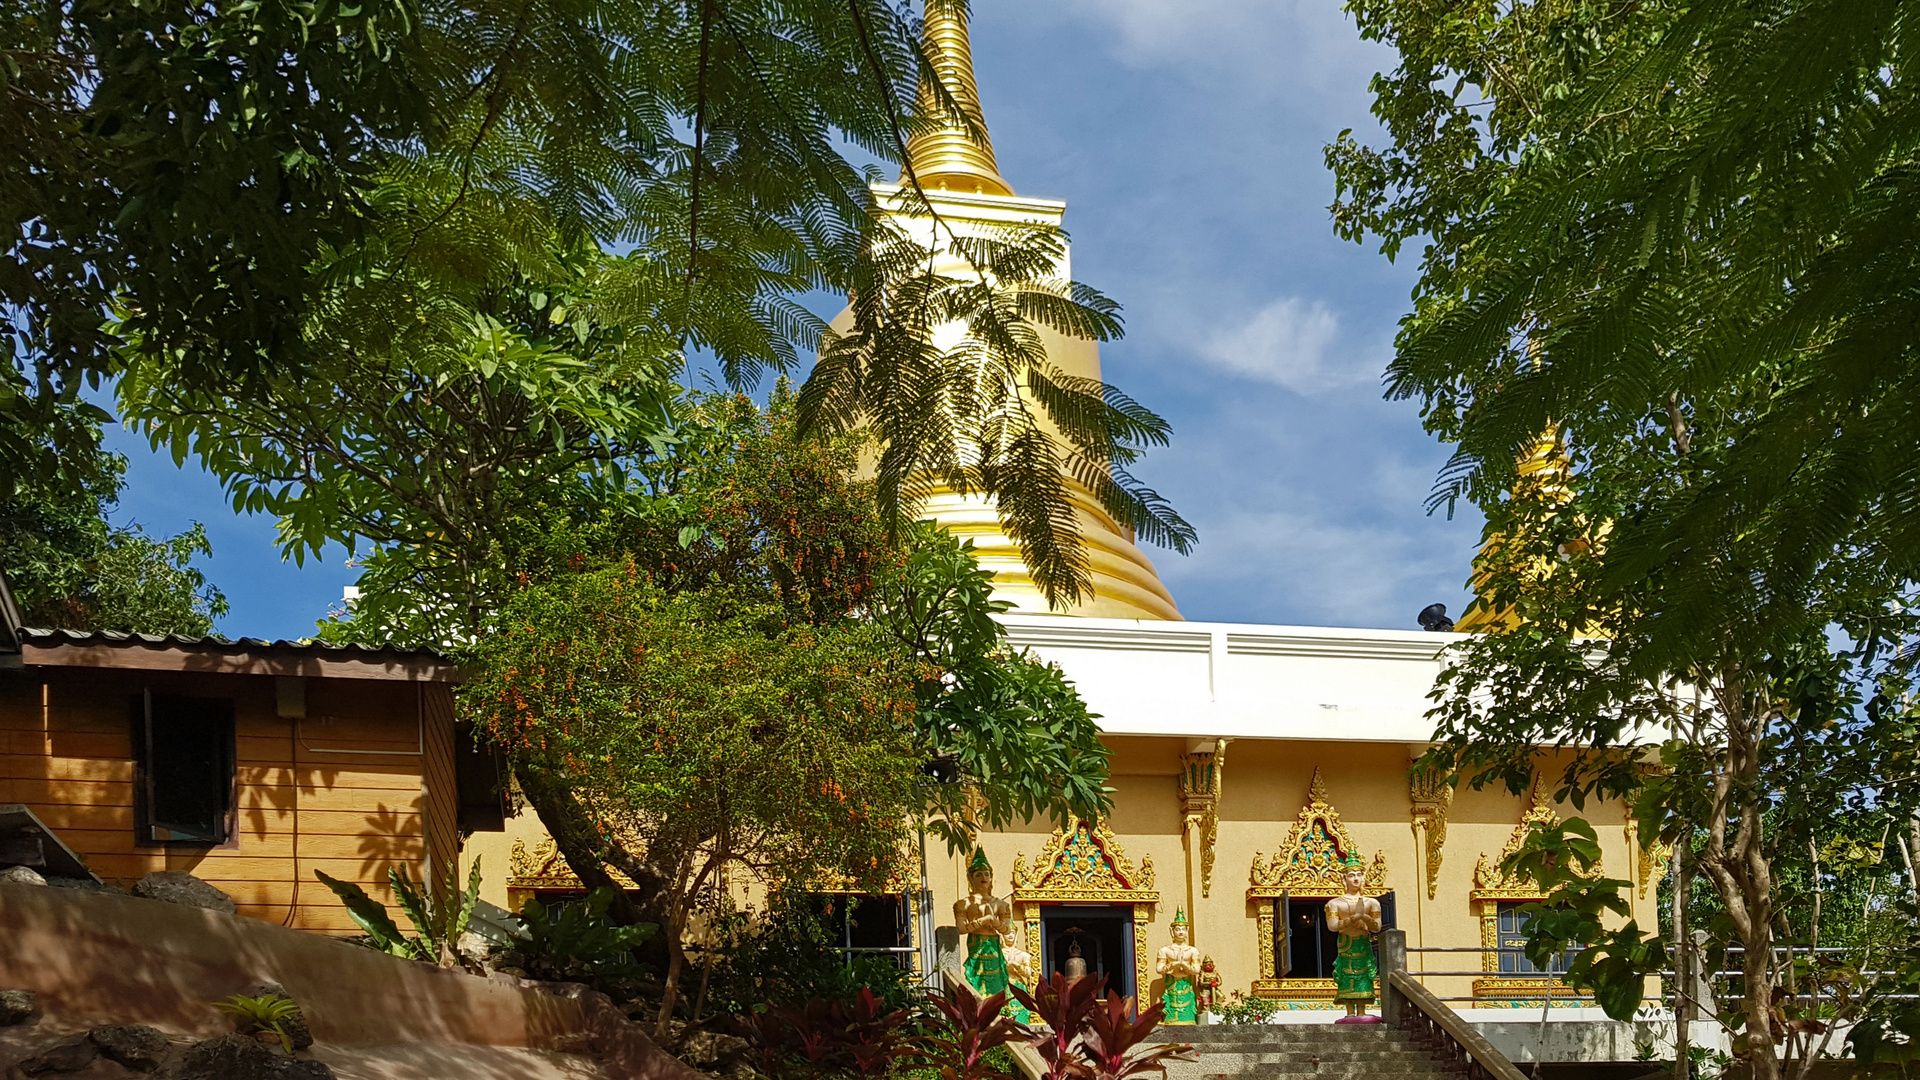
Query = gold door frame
x=1088 y=866
x=1310 y=865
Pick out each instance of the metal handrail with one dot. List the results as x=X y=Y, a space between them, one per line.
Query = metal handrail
x=1440 y=1031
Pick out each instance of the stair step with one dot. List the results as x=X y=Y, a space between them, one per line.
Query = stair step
x=1287 y=1051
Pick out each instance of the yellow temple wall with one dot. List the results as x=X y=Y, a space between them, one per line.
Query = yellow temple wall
x=1264 y=786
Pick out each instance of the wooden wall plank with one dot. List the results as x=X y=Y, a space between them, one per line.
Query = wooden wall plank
x=352 y=815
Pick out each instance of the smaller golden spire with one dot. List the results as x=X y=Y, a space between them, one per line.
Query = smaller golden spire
x=948 y=157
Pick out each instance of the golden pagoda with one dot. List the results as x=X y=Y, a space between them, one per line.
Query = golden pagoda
x=1541 y=475
x=954 y=165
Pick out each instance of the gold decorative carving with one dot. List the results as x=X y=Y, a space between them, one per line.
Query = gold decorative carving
x=544 y=868
x=1088 y=865
x=1310 y=864
x=1656 y=855
x=1490 y=882
x=1294 y=989
x=1200 y=777
x=1432 y=797
x=1311 y=861
x=1521 y=990
x=1265 y=918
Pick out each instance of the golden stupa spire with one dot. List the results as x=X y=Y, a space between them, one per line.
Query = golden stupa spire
x=1541 y=474
x=949 y=157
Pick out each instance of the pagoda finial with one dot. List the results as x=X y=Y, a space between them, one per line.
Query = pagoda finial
x=949 y=157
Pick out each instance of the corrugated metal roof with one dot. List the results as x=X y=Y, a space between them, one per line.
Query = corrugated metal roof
x=216 y=641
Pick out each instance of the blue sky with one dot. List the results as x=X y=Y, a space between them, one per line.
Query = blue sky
x=1186 y=137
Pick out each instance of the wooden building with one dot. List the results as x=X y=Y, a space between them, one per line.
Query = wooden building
x=249 y=764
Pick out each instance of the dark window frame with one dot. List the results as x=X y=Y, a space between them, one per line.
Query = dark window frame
x=841 y=913
x=1510 y=937
x=143 y=778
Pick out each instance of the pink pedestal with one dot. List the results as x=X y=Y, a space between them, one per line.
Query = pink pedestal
x=1363 y=1018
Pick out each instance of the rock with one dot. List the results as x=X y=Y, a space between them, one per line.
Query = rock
x=241 y=1057
x=136 y=1046
x=180 y=887
x=712 y=1051
x=21 y=875
x=16 y=1007
x=85 y=884
x=65 y=1056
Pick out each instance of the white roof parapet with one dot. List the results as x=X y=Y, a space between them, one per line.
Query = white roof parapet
x=1243 y=680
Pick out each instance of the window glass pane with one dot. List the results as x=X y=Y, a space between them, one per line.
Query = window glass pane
x=1513 y=943
x=877 y=922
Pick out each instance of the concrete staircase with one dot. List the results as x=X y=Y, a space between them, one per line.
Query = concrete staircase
x=1276 y=1051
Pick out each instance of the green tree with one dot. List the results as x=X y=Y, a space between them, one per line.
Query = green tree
x=465 y=391
x=1006 y=736
x=71 y=568
x=1667 y=240
x=240 y=182
x=708 y=730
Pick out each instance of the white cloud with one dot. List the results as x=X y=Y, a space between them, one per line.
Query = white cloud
x=1318 y=569
x=1322 y=52
x=1292 y=343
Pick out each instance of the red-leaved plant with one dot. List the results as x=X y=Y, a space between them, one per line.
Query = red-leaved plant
x=832 y=1038
x=1086 y=1037
x=1112 y=1046
x=972 y=1025
x=1060 y=1007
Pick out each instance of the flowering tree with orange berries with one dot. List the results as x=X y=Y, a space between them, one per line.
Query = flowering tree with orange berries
x=701 y=731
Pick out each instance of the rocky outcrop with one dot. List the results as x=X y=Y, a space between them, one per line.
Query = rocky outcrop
x=85 y=885
x=239 y=1057
x=16 y=1007
x=136 y=1046
x=180 y=887
x=21 y=875
x=66 y=1056
x=134 y=1050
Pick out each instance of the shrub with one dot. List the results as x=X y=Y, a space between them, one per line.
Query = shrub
x=268 y=1012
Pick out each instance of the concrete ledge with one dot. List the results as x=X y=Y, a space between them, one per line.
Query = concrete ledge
x=98 y=958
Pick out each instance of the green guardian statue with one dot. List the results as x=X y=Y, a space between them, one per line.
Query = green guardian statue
x=984 y=918
x=1356 y=918
x=1180 y=963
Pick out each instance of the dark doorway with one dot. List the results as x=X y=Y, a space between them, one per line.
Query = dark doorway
x=1104 y=934
x=1310 y=946
x=1301 y=935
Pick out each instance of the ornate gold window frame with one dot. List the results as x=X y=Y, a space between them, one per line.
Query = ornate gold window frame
x=1087 y=866
x=544 y=869
x=1490 y=887
x=1308 y=865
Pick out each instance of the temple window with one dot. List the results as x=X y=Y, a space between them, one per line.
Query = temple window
x=1288 y=895
x=866 y=925
x=1512 y=923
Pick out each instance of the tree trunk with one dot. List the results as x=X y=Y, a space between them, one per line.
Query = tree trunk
x=1758 y=1005
x=1684 y=961
x=676 y=963
x=576 y=838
